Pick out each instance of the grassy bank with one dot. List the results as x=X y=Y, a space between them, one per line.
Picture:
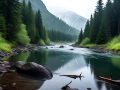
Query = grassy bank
x=114 y=44
x=5 y=45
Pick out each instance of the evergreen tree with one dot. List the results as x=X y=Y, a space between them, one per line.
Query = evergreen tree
x=39 y=24
x=96 y=22
x=87 y=30
x=24 y=12
x=80 y=38
x=12 y=13
x=105 y=28
x=117 y=13
x=31 y=23
x=2 y=26
x=103 y=35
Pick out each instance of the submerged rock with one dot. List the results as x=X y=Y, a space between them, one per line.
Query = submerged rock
x=34 y=69
x=61 y=46
x=71 y=49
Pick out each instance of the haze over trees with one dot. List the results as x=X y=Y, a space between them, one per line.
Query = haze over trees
x=104 y=24
x=56 y=36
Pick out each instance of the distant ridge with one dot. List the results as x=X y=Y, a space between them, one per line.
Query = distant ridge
x=50 y=21
x=73 y=19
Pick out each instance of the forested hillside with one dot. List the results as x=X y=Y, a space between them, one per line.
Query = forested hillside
x=104 y=24
x=50 y=21
x=56 y=36
x=20 y=25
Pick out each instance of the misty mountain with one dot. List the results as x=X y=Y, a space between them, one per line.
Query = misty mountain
x=73 y=19
x=50 y=21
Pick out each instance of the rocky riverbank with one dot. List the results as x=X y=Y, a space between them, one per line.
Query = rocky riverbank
x=18 y=49
x=99 y=49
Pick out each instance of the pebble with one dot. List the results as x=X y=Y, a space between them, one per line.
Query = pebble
x=1 y=88
x=13 y=84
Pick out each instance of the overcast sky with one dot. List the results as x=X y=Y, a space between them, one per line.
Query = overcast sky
x=81 y=7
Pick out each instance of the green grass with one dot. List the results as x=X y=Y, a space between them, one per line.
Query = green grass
x=6 y=47
x=93 y=45
x=114 y=44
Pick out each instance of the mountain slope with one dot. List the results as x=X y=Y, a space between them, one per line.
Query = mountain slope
x=73 y=19
x=50 y=21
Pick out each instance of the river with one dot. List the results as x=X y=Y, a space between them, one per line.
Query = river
x=63 y=61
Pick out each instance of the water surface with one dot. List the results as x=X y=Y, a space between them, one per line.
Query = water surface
x=63 y=61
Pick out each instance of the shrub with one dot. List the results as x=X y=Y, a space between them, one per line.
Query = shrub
x=114 y=43
x=47 y=42
x=85 y=41
x=5 y=45
x=41 y=42
x=22 y=36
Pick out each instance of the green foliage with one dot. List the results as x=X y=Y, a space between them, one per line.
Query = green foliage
x=39 y=24
x=85 y=41
x=87 y=29
x=116 y=47
x=13 y=18
x=80 y=38
x=41 y=42
x=3 y=26
x=114 y=44
x=22 y=37
x=47 y=42
x=56 y=36
x=30 y=26
x=5 y=45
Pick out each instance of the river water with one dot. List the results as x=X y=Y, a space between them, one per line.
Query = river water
x=63 y=61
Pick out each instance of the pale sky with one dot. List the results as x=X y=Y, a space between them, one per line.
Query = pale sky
x=81 y=7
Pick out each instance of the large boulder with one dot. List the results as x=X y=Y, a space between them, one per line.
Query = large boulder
x=34 y=69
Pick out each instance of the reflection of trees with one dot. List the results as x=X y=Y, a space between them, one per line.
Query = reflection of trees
x=58 y=59
x=39 y=57
x=103 y=66
x=19 y=57
x=21 y=83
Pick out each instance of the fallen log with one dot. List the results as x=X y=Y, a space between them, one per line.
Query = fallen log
x=73 y=76
x=109 y=80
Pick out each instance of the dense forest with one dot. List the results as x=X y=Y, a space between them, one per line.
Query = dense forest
x=19 y=23
x=56 y=36
x=103 y=25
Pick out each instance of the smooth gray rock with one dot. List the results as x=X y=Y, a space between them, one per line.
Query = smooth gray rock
x=34 y=69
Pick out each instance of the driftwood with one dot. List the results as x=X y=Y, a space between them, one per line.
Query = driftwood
x=66 y=87
x=74 y=76
x=109 y=80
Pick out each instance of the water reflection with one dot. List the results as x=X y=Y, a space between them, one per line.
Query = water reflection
x=15 y=81
x=67 y=62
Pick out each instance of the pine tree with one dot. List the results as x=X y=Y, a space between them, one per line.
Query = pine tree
x=96 y=22
x=3 y=26
x=24 y=12
x=39 y=24
x=117 y=13
x=12 y=13
x=31 y=23
x=80 y=38
x=87 y=30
